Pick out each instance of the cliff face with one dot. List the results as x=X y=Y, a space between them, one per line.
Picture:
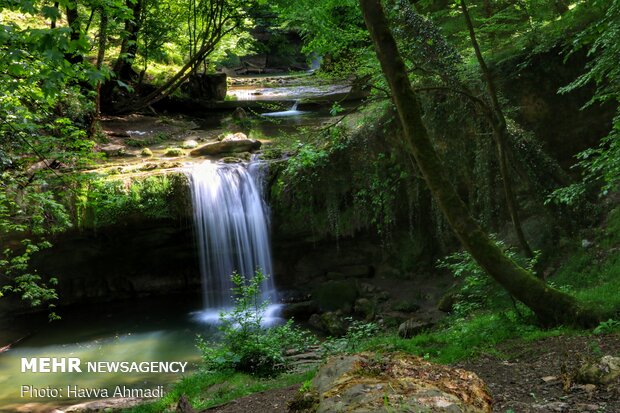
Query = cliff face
x=531 y=84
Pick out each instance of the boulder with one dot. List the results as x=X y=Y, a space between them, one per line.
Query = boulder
x=365 y=308
x=601 y=372
x=189 y=144
x=207 y=86
x=369 y=382
x=336 y=295
x=413 y=327
x=113 y=150
x=232 y=143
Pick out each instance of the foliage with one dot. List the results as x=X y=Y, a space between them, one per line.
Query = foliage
x=358 y=332
x=246 y=345
x=27 y=210
x=198 y=388
x=601 y=165
x=478 y=291
x=102 y=201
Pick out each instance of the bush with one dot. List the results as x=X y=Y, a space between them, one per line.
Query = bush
x=247 y=346
x=478 y=290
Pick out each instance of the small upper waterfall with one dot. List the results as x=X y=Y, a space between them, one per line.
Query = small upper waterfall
x=232 y=228
x=293 y=111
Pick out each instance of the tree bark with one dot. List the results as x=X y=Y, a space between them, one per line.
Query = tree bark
x=129 y=45
x=551 y=306
x=103 y=41
x=73 y=21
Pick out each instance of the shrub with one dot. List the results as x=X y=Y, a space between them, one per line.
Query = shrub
x=246 y=345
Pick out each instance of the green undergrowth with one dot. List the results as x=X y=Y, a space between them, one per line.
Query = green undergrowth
x=462 y=339
x=104 y=202
x=591 y=272
x=205 y=390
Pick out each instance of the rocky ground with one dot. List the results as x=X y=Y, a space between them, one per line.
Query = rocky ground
x=533 y=377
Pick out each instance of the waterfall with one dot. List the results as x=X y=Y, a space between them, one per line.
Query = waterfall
x=232 y=228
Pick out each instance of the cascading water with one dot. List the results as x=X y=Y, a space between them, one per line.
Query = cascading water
x=232 y=229
x=291 y=112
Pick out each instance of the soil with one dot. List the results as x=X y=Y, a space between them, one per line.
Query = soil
x=522 y=377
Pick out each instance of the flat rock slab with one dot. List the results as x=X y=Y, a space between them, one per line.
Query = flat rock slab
x=369 y=382
x=232 y=143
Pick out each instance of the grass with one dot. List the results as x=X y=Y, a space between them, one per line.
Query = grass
x=205 y=390
x=462 y=339
x=593 y=274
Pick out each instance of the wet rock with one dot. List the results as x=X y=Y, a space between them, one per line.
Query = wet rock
x=601 y=372
x=231 y=159
x=231 y=143
x=368 y=382
x=413 y=327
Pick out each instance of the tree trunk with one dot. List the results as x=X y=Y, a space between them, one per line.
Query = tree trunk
x=103 y=40
x=129 y=45
x=73 y=21
x=551 y=306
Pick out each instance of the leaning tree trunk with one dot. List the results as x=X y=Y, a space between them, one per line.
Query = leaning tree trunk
x=550 y=305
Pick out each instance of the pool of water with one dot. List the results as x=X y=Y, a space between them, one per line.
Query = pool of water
x=162 y=330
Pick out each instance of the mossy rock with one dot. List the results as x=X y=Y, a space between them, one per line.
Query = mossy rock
x=336 y=295
x=173 y=152
x=146 y=152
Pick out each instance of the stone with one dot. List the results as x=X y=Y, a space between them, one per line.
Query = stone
x=356 y=271
x=239 y=114
x=370 y=382
x=551 y=407
x=413 y=327
x=333 y=324
x=336 y=295
x=113 y=150
x=174 y=152
x=601 y=372
x=189 y=144
x=365 y=308
x=146 y=152
x=446 y=303
x=299 y=311
x=207 y=86
x=231 y=143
